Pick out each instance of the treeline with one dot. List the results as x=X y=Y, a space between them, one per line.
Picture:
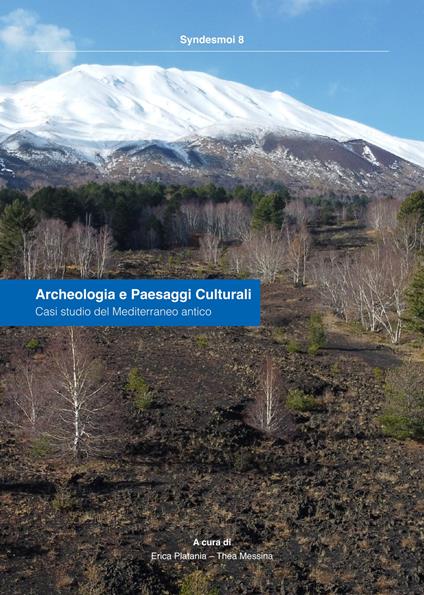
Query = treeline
x=153 y=215
x=56 y=228
x=142 y=215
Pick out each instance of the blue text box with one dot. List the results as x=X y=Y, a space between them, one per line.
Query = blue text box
x=141 y=302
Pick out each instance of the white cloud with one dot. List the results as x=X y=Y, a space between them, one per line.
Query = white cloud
x=291 y=8
x=297 y=7
x=257 y=7
x=21 y=31
x=334 y=88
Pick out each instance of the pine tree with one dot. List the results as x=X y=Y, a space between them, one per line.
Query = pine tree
x=413 y=205
x=415 y=298
x=8 y=195
x=270 y=210
x=16 y=223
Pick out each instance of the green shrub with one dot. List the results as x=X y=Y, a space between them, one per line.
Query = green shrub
x=41 y=447
x=64 y=501
x=293 y=346
x=403 y=413
x=313 y=348
x=197 y=583
x=317 y=337
x=243 y=461
x=297 y=400
x=141 y=393
x=33 y=344
x=378 y=374
x=279 y=335
x=335 y=368
x=202 y=341
x=397 y=426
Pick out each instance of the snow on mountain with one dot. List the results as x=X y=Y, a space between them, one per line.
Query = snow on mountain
x=27 y=145
x=95 y=109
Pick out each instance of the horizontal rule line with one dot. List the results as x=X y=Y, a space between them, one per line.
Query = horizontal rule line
x=194 y=51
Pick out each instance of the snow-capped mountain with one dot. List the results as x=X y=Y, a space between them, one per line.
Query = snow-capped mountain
x=141 y=121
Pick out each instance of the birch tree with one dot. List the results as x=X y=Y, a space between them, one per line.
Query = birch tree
x=81 y=398
x=52 y=240
x=265 y=253
x=209 y=248
x=193 y=216
x=382 y=214
x=103 y=246
x=369 y=287
x=27 y=406
x=298 y=246
x=268 y=412
x=64 y=398
x=388 y=278
x=30 y=254
x=408 y=236
x=237 y=220
x=298 y=213
x=237 y=259
x=332 y=276
x=82 y=248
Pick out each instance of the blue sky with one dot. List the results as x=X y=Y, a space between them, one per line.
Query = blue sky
x=383 y=90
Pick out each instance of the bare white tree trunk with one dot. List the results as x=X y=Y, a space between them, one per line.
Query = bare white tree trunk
x=382 y=215
x=29 y=255
x=78 y=391
x=371 y=287
x=64 y=398
x=265 y=254
x=238 y=217
x=237 y=259
x=52 y=238
x=209 y=248
x=408 y=236
x=298 y=246
x=268 y=412
x=26 y=399
x=103 y=246
x=82 y=248
x=298 y=213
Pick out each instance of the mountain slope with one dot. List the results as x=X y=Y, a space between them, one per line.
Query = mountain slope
x=116 y=120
